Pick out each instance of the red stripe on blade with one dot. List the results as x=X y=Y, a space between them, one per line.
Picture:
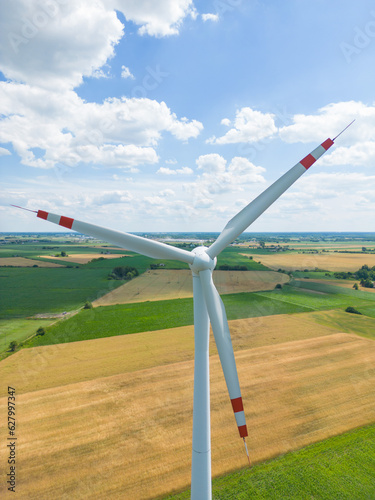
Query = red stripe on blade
x=308 y=161
x=66 y=222
x=237 y=404
x=327 y=144
x=42 y=214
x=243 y=431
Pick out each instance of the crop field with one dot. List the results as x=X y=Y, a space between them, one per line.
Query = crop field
x=177 y=284
x=306 y=370
x=84 y=258
x=51 y=366
x=340 y=467
x=23 y=262
x=328 y=261
x=295 y=393
x=29 y=291
x=155 y=315
x=343 y=283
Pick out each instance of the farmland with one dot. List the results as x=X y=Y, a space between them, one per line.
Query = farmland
x=126 y=366
x=328 y=261
x=326 y=377
x=173 y=284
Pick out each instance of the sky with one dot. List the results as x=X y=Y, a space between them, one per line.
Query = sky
x=171 y=116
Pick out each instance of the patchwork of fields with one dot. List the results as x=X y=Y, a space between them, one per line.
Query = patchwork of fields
x=295 y=392
x=306 y=368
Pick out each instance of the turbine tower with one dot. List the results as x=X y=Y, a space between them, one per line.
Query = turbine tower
x=208 y=309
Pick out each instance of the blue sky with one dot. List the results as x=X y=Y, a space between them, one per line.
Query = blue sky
x=173 y=115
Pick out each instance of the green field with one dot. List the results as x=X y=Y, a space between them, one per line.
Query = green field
x=19 y=330
x=339 y=468
x=29 y=291
x=149 y=316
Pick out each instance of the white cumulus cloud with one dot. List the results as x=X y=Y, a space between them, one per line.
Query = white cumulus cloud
x=4 y=152
x=356 y=146
x=169 y=171
x=249 y=126
x=210 y=17
x=126 y=73
x=66 y=129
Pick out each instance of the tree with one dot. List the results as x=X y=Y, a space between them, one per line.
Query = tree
x=278 y=286
x=63 y=254
x=40 y=331
x=123 y=273
x=13 y=345
x=355 y=286
x=351 y=309
x=88 y=305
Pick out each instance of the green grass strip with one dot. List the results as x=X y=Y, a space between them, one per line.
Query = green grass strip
x=338 y=468
x=125 y=319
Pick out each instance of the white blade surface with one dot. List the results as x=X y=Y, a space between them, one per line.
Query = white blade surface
x=143 y=246
x=254 y=209
x=219 y=324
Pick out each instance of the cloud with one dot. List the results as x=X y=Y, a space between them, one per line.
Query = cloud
x=54 y=44
x=4 y=152
x=356 y=146
x=159 y=19
x=169 y=171
x=218 y=177
x=66 y=129
x=210 y=17
x=126 y=73
x=249 y=126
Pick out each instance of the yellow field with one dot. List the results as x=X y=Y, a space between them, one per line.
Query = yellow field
x=177 y=284
x=84 y=258
x=111 y=418
x=22 y=262
x=327 y=261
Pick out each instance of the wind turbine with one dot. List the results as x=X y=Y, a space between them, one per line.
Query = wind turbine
x=208 y=308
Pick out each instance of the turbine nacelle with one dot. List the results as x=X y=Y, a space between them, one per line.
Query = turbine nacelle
x=202 y=261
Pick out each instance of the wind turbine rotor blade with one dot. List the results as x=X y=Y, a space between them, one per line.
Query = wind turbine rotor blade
x=220 y=328
x=253 y=210
x=143 y=246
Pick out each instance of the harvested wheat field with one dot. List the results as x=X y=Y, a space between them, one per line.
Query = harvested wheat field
x=177 y=284
x=23 y=262
x=60 y=364
x=326 y=261
x=84 y=258
x=129 y=435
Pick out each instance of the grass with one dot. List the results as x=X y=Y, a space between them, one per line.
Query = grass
x=234 y=256
x=341 y=467
x=18 y=330
x=28 y=291
x=314 y=299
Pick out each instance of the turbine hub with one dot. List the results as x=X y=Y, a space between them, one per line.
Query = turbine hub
x=202 y=260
